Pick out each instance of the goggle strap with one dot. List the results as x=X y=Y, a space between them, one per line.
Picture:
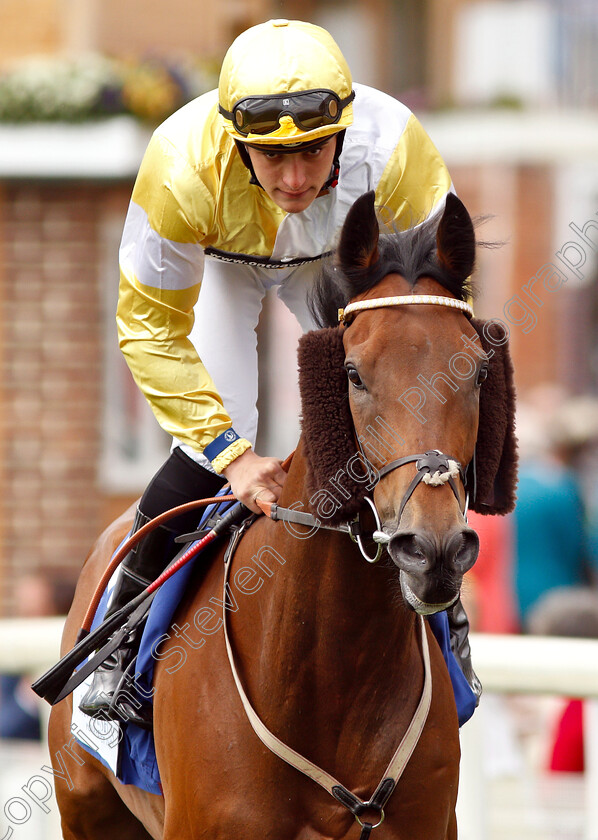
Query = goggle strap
x=229 y=115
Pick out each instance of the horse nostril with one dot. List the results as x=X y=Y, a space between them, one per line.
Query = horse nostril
x=415 y=553
x=411 y=552
x=462 y=549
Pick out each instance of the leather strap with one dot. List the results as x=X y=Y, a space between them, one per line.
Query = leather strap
x=297 y=517
x=397 y=763
x=427 y=463
x=353 y=528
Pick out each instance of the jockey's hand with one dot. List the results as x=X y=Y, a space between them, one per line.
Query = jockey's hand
x=251 y=476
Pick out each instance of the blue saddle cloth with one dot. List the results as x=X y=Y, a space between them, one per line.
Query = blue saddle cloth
x=137 y=764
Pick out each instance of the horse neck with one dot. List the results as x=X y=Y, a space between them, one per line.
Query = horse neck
x=336 y=617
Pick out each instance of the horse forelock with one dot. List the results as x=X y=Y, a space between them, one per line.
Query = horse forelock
x=411 y=253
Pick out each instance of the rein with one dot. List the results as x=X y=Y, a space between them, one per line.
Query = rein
x=132 y=541
x=396 y=766
x=353 y=529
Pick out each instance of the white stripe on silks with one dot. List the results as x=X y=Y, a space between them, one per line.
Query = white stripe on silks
x=157 y=262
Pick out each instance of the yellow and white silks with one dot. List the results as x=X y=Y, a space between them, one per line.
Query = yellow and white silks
x=194 y=354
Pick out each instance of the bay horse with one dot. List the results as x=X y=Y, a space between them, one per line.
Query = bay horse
x=331 y=651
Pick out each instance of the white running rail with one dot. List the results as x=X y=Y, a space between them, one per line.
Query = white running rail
x=505 y=664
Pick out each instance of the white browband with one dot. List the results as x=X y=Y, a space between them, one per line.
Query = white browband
x=402 y=300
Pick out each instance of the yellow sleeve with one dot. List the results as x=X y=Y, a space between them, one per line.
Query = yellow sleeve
x=161 y=266
x=415 y=179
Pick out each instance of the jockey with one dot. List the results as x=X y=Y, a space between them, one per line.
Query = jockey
x=241 y=190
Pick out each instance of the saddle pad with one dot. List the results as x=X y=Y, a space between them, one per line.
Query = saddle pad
x=127 y=749
x=99 y=738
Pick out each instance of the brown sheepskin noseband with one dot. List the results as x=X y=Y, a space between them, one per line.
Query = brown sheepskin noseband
x=336 y=474
x=327 y=425
x=496 y=447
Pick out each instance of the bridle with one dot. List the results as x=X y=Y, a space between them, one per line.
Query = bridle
x=434 y=468
x=401 y=300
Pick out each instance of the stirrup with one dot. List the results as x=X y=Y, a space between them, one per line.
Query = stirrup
x=101 y=696
x=113 y=670
x=125 y=705
x=122 y=704
x=472 y=678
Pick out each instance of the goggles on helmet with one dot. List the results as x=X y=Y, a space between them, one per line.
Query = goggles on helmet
x=309 y=109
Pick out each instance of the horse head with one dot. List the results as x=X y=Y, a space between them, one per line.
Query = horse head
x=414 y=365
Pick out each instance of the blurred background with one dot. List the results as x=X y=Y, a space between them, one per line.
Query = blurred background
x=507 y=89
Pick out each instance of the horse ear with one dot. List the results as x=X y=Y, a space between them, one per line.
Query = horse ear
x=496 y=447
x=358 y=246
x=455 y=239
x=327 y=427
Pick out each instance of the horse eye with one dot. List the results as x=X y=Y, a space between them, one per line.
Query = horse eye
x=354 y=377
x=482 y=374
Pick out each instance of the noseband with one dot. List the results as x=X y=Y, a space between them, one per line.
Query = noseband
x=433 y=468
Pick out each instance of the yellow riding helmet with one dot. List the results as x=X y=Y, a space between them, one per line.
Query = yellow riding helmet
x=285 y=82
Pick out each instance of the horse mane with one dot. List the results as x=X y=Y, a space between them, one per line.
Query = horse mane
x=411 y=253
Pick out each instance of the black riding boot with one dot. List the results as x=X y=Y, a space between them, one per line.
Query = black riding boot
x=143 y=564
x=459 y=627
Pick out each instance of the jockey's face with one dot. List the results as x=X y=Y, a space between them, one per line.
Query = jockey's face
x=293 y=180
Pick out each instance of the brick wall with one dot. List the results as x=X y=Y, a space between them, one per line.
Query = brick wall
x=51 y=508
x=134 y=28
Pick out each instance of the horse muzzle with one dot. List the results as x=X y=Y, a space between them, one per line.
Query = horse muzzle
x=432 y=568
